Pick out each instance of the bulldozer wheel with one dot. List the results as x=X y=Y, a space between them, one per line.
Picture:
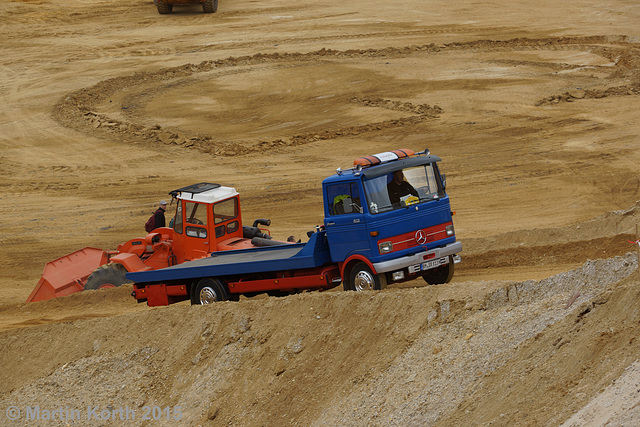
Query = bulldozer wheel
x=106 y=276
x=163 y=8
x=439 y=275
x=209 y=291
x=210 y=6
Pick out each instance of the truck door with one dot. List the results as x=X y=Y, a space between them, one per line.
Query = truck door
x=344 y=221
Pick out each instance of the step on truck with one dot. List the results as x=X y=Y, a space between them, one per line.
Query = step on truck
x=166 y=6
x=387 y=219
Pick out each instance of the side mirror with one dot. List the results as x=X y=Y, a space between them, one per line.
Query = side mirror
x=443 y=178
x=357 y=207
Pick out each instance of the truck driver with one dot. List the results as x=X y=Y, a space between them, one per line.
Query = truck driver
x=398 y=188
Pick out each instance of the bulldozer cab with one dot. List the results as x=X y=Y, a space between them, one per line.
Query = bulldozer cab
x=206 y=216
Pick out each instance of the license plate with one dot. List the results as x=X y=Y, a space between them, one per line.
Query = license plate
x=429 y=264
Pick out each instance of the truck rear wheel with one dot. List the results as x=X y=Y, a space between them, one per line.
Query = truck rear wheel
x=106 y=276
x=361 y=278
x=439 y=275
x=208 y=291
x=163 y=8
x=210 y=6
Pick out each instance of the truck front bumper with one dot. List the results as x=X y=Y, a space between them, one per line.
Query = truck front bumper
x=419 y=258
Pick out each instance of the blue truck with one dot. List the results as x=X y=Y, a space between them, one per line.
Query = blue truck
x=387 y=219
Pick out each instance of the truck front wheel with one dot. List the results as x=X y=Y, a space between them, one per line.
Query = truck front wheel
x=361 y=278
x=439 y=275
x=208 y=291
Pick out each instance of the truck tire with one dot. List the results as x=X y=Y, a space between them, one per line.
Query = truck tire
x=208 y=291
x=163 y=8
x=439 y=275
x=361 y=278
x=210 y=6
x=106 y=276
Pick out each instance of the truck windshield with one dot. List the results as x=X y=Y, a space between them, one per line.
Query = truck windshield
x=403 y=187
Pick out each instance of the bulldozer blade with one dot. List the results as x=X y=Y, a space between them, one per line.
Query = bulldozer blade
x=68 y=274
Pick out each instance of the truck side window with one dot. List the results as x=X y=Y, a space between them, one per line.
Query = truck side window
x=343 y=198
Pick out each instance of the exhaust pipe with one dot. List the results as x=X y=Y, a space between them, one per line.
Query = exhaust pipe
x=262 y=221
x=259 y=241
x=251 y=232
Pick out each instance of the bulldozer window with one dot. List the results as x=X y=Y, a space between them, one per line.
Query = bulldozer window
x=177 y=224
x=225 y=210
x=196 y=213
x=197 y=232
x=232 y=227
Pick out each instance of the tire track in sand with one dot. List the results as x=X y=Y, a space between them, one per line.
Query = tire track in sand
x=78 y=109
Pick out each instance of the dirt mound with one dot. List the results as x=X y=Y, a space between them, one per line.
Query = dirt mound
x=392 y=357
x=570 y=362
x=607 y=232
x=82 y=305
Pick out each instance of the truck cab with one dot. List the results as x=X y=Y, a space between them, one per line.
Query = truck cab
x=389 y=219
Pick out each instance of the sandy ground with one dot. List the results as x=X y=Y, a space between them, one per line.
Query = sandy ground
x=533 y=107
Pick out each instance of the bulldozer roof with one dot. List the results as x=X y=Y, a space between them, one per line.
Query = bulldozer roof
x=204 y=192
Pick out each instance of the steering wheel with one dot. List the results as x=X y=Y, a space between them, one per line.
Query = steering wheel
x=423 y=191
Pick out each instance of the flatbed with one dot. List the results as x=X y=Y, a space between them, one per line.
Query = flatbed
x=293 y=256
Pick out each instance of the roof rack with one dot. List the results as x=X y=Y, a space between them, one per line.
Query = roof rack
x=195 y=188
x=381 y=158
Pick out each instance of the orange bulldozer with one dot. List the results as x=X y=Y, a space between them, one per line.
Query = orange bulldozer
x=207 y=219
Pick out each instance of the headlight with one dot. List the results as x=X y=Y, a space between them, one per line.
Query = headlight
x=385 y=247
x=449 y=230
x=397 y=275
